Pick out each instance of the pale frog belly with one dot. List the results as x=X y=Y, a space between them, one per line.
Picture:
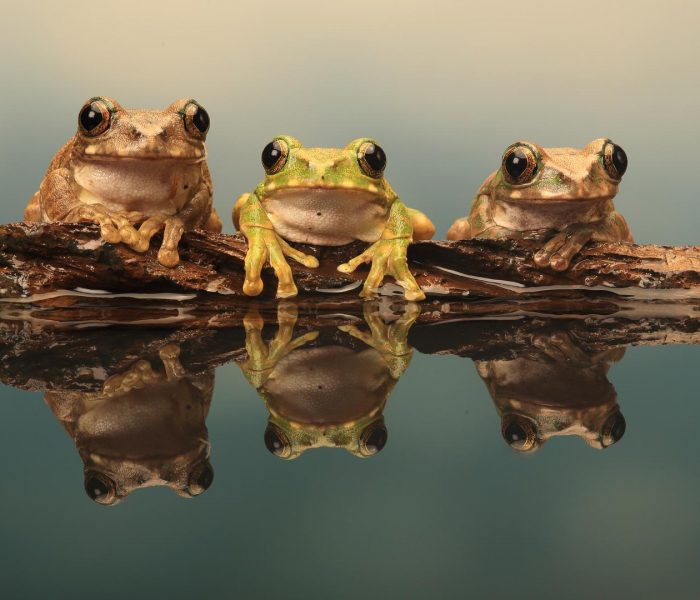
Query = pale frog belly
x=326 y=217
x=547 y=214
x=151 y=187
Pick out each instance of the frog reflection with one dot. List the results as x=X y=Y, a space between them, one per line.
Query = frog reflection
x=144 y=428
x=555 y=389
x=327 y=387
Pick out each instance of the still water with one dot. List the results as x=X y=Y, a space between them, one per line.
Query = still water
x=379 y=454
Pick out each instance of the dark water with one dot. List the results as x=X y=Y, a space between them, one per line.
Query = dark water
x=521 y=457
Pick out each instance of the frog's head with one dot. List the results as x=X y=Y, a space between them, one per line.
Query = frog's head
x=288 y=439
x=107 y=131
x=531 y=173
x=527 y=429
x=357 y=169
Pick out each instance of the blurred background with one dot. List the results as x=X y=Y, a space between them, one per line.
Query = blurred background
x=447 y=508
x=444 y=86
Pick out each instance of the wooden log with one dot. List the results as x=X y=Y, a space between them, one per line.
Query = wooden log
x=41 y=258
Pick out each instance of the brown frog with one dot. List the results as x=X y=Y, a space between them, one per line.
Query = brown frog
x=145 y=428
x=538 y=190
x=556 y=388
x=134 y=172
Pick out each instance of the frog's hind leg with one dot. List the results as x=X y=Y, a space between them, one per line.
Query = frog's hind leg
x=213 y=223
x=33 y=211
x=423 y=228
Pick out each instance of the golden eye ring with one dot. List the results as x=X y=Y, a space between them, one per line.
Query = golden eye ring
x=274 y=156
x=372 y=159
x=94 y=117
x=519 y=432
x=519 y=164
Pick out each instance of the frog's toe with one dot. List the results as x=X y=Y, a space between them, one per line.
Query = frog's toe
x=286 y=290
x=559 y=262
x=252 y=287
x=168 y=258
x=109 y=234
x=140 y=245
x=414 y=295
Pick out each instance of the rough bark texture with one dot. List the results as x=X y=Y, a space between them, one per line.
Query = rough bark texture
x=42 y=258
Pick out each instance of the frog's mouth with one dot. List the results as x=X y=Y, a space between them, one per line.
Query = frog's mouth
x=185 y=154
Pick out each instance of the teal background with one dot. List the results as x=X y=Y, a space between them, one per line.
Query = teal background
x=446 y=510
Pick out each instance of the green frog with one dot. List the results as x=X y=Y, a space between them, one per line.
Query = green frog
x=565 y=190
x=327 y=388
x=327 y=197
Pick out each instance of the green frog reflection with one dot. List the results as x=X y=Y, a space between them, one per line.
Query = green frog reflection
x=144 y=428
x=327 y=387
x=556 y=388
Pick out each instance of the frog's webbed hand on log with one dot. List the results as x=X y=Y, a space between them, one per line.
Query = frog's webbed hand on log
x=262 y=357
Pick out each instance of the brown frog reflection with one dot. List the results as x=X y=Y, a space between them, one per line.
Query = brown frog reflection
x=327 y=387
x=555 y=389
x=144 y=428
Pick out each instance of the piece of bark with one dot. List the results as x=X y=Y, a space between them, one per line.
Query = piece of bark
x=41 y=258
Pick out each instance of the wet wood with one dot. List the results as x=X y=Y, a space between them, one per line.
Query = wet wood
x=40 y=258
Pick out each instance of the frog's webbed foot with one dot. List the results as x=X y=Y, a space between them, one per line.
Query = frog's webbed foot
x=562 y=247
x=115 y=227
x=388 y=257
x=264 y=243
x=390 y=340
x=138 y=376
x=262 y=358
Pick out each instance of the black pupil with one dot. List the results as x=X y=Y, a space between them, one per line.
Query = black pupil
x=516 y=163
x=376 y=440
x=91 y=117
x=201 y=119
x=271 y=154
x=515 y=434
x=273 y=441
x=375 y=157
x=206 y=477
x=617 y=427
x=96 y=488
x=619 y=160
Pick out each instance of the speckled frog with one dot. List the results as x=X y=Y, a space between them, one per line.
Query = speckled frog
x=327 y=197
x=134 y=172
x=566 y=190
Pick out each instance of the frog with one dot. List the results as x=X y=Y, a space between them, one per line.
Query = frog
x=562 y=194
x=556 y=387
x=327 y=388
x=134 y=172
x=144 y=427
x=327 y=197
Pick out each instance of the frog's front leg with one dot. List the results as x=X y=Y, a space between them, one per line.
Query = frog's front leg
x=196 y=213
x=58 y=201
x=262 y=358
x=391 y=340
x=389 y=256
x=562 y=247
x=264 y=243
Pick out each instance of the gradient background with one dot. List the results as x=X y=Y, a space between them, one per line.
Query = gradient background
x=447 y=510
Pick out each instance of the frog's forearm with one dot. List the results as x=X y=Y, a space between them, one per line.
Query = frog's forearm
x=252 y=214
x=398 y=225
x=196 y=212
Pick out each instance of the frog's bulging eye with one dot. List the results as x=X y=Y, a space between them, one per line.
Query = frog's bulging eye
x=200 y=479
x=274 y=156
x=373 y=439
x=372 y=159
x=196 y=120
x=613 y=429
x=615 y=160
x=277 y=442
x=519 y=165
x=100 y=488
x=94 y=118
x=519 y=432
